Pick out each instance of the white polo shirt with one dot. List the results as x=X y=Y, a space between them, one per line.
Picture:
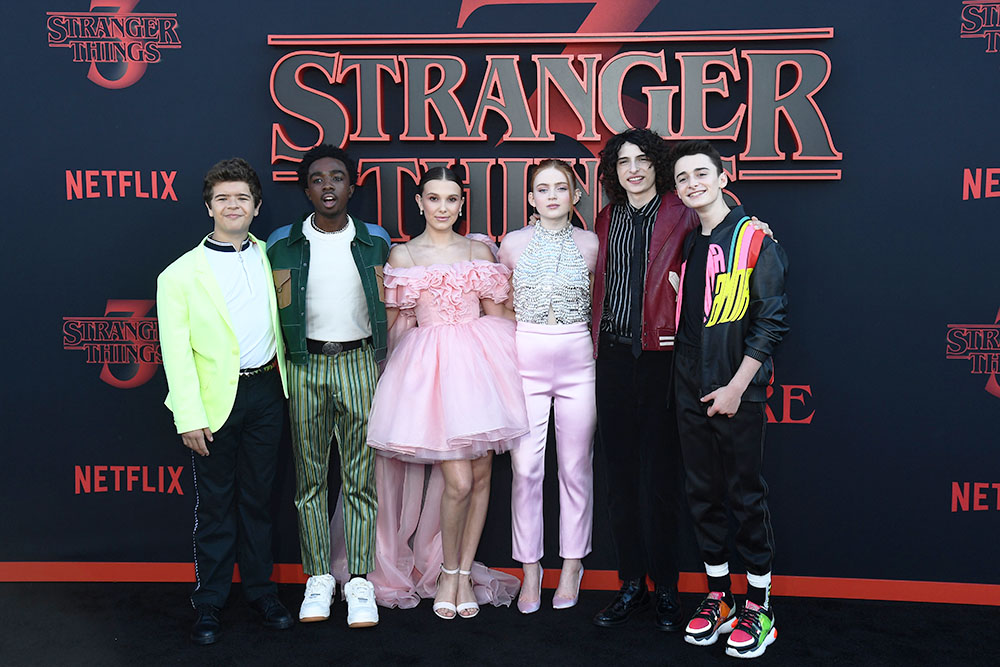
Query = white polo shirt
x=244 y=284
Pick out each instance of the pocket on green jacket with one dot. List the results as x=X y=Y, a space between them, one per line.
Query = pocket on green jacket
x=283 y=286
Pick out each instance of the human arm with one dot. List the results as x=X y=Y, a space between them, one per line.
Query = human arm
x=183 y=382
x=399 y=257
x=488 y=302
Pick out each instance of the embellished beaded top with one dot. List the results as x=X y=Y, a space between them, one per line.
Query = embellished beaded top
x=551 y=277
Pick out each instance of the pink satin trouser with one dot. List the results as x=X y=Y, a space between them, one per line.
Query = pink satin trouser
x=556 y=363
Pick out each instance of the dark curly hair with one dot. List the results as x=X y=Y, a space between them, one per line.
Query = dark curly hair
x=228 y=171
x=320 y=152
x=655 y=148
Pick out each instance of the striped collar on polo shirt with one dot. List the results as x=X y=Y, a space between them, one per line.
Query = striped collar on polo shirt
x=226 y=247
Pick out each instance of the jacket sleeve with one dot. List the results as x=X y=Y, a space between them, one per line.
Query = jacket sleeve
x=184 y=388
x=768 y=302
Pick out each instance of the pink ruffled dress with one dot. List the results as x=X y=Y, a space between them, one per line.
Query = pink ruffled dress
x=451 y=388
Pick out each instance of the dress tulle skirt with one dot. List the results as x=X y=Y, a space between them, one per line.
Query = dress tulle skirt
x=450 y=391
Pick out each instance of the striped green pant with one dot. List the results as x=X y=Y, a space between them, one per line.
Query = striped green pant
x=331 y=396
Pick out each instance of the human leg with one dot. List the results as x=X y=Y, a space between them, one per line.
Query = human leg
x=475 y=519
x=256 y=464
x=575 y=421
x=617 y=443
x=458 y=482
x=311 y=415
x=355 y=376
x=527 y=462
x=312 y=427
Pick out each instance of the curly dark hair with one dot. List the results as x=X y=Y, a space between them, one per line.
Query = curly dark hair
x=655 y=148
x=320 y=152
x=228 y=171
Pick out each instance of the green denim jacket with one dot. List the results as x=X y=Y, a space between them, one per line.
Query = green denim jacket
x=288 y=252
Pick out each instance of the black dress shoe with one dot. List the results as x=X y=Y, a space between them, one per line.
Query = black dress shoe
x=273 y=613
x=632 y=597
x=207 y=628
x=669 y=616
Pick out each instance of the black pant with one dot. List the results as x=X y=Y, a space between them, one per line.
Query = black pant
x=723 y=457
x=638 y=440
x=233 y=486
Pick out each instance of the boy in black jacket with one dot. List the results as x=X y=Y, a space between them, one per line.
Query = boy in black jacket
x=731 y=317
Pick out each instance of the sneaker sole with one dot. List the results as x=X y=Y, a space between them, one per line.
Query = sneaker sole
x=363 y=624
x=313 y=619
x=768 y=640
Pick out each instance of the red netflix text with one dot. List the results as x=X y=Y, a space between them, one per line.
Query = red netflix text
x=110 y=183
x=979 y=182
x=975 y=496
x=125 y=478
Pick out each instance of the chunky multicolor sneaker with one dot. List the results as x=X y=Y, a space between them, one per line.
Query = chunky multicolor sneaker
x=754 y=631
x=716 y=615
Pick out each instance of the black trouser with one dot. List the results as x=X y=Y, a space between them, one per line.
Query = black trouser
x=233 y=486
x=638 y=440
x=723 y=457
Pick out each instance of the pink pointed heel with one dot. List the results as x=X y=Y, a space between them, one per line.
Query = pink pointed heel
x=532 y=607
x=566 y=603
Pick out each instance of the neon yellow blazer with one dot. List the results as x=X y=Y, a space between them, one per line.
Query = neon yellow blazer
x=201 y=355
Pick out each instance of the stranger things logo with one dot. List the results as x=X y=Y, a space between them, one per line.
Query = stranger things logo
x=979 y=345
x=125 y=343
x=118 y=43
x=494 y=104
x=981 y=20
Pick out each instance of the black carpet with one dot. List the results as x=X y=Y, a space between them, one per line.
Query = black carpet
x=147 y=624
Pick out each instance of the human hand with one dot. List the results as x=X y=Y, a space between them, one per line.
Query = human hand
x=763 y=226
x=195 y=440
x=725 y=400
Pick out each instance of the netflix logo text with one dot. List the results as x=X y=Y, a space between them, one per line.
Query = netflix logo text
x=979 y=182
x=115 y=183
x=975 y=496
x=127 y=479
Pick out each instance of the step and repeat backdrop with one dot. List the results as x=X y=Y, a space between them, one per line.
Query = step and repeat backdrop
x=863 y=133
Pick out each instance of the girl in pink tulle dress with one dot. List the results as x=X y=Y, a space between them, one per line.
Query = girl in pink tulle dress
x=450 y=395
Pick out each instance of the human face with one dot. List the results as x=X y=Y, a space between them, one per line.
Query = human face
x=328 y=187
x=233 y=209
x=440 y=203
x=698 y=181
x=636 y=174
x=553 y=196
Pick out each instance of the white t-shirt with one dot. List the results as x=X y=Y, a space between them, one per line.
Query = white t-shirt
x=335 y=299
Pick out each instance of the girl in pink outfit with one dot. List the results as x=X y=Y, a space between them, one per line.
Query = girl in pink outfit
x=450 y=394
x=553 y=263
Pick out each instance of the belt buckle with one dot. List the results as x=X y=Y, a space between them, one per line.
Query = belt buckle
x=331 y=348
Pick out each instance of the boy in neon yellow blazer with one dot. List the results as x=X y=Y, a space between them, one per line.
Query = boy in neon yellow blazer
x=224 y=360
